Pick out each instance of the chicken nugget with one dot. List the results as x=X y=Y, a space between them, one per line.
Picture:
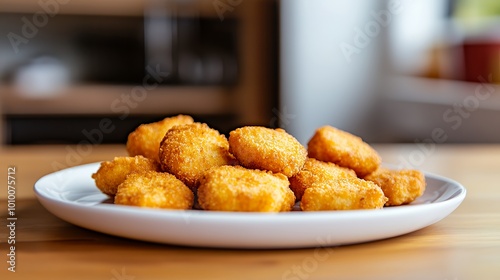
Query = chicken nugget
x=267 y=149
x=112 y=173
x=344 y=149
x=188 y=151
x=317 y=172
x=399 y=186
x=235 y=188
x=343 y=194
x=145 y=139
x=155 y=190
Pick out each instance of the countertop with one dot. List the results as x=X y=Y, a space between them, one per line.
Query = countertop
x=464 y=245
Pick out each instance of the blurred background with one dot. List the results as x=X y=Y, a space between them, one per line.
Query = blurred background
x=386 y=70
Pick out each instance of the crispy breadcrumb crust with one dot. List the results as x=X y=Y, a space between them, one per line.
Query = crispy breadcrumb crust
x=344 y=149
x=174 y=160
x=188 y=151
x=145 y=139
x=112 y=173
x=263 y=148
x=155 y=190
x=343 y=194
x=399 y=186
x=317 y=172
x=235 y=188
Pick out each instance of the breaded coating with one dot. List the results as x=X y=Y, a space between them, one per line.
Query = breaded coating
x=267 y=149
x=343 y=194
x=155 y=190
x=145 y=139
x=317 y=172
x=235 y=188
x=399 y=186
x=188 y=151
x=344 y=149
x=112 y=173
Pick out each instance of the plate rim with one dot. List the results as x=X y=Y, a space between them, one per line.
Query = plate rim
x=462 y=193
x=240 y=218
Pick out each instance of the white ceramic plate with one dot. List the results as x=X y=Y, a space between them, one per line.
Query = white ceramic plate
x=71 y=195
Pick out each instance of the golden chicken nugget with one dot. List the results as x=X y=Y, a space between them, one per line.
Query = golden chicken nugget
x=112 y=173
x=317 y=172
x=145 y=139
x=155 y=190
x=344 y=149
x=267 y=149
x=188 y=151
x=235 y=188
x=399 y=186
x=343 y=194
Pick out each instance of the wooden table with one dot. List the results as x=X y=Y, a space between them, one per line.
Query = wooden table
x=465 y=245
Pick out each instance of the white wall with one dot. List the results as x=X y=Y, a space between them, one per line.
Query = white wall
x=319 y=83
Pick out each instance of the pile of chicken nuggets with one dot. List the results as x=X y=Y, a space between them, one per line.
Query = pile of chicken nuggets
x=177 y=163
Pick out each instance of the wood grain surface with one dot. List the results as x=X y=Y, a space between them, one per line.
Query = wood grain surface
x=465 y=245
